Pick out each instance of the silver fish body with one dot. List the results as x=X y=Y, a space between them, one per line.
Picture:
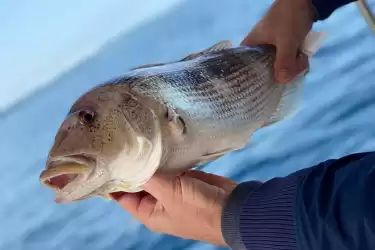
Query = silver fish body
x=166 y=117
x=222 y=98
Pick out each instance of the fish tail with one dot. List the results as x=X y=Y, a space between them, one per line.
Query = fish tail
x=292 y=92
x=290 y=99
x=313 y=42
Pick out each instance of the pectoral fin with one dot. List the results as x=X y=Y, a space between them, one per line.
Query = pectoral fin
x=176 y=122
x=213 y=156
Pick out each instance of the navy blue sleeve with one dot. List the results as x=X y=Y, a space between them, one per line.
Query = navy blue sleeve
x=329 y=206
x=324 y=8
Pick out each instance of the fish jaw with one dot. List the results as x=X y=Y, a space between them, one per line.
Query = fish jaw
x=73 y=178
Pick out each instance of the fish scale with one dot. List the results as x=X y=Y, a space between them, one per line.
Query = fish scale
x=217 y=95
x=240 y=97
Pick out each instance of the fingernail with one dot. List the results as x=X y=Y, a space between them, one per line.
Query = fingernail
x=302 y=67
x=283 y=76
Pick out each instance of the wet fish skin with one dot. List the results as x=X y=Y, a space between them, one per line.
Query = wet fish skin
x=170 y=117
x=222 y=97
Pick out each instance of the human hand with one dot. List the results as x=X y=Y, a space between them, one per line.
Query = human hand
x=285 y=25
x=187 y=206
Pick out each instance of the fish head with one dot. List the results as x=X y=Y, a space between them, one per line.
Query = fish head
x=108 y=142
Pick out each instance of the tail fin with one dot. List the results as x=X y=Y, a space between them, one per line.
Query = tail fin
x=313 y=42
x=292 y=92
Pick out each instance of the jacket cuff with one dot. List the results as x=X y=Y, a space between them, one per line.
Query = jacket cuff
x=230 y=219
x=324 y=8
x=260 y=216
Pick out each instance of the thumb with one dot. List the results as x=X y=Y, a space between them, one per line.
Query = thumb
x=214 y=180
x=286 y=62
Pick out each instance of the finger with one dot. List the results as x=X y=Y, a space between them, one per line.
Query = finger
x=162 y=187
x=140 y=205
x=172 y=191
x=214 y=180
x=286 y=62
x=128 y=201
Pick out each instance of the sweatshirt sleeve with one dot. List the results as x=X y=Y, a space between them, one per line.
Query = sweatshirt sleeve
x=329 y=206
x=324 y=8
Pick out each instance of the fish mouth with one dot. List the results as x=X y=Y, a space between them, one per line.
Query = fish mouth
x=61 y=172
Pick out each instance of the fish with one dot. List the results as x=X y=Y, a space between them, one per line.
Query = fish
x=168 y=118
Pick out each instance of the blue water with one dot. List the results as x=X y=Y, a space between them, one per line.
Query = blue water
x=336 y=119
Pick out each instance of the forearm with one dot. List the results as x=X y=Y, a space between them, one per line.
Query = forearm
x=324 y=8
x=329 y=206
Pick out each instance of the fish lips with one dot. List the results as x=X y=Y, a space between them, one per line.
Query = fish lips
x=63 y=171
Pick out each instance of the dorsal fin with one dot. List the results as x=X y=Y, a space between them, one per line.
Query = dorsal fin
x=222 y=45
x=148 y=65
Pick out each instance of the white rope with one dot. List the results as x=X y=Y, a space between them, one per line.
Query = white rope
x=367 y=13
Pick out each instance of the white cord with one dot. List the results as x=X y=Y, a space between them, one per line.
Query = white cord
x=367 y=13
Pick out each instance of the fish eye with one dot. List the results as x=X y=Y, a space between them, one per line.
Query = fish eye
x=86 y=116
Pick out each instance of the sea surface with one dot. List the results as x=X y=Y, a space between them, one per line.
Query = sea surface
x=336 y=119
